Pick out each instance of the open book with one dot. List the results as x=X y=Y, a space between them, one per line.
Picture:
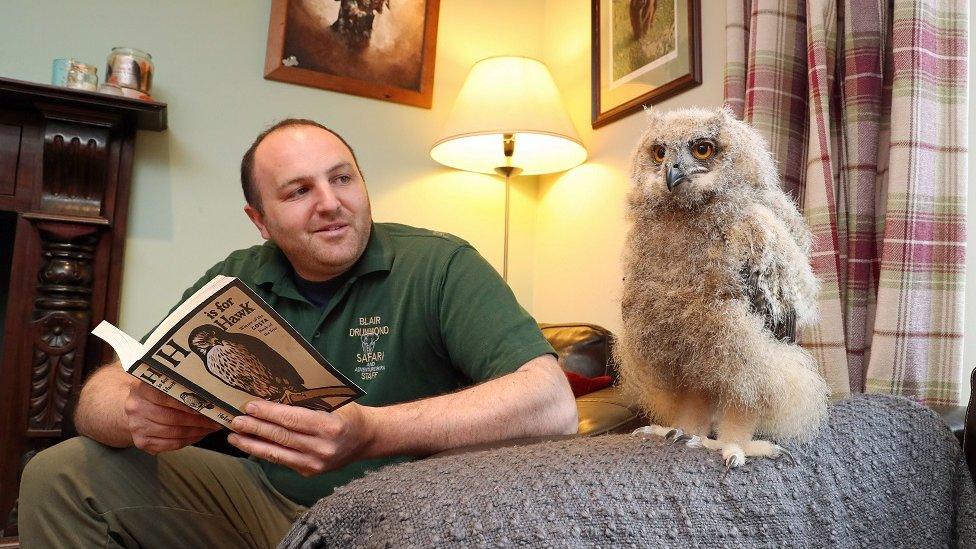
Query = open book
x=223 y=347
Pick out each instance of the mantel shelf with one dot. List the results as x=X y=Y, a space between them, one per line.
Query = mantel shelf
x=149 y=115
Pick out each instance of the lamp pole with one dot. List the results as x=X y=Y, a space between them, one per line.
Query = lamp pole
x=508 y=170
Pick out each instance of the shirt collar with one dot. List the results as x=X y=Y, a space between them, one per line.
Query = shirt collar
x=378 y=255
x=277 y=271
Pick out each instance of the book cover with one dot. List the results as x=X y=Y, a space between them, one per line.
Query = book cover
x=223 y=347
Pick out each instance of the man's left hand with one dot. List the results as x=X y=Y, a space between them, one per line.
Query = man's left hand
x=308 y=441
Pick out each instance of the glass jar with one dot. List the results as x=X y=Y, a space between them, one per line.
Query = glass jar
x=82 y=77
x=129 y=68
x=59 y=70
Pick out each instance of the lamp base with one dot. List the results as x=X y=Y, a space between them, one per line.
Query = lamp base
x=508 y=171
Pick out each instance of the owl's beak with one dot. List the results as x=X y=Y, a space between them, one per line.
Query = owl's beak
x=675 y=176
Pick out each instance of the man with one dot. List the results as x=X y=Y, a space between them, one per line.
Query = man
x=413 y=316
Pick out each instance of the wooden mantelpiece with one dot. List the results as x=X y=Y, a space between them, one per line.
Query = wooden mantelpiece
x=65 y=174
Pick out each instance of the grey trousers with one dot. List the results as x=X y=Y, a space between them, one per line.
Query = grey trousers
x=83 y=494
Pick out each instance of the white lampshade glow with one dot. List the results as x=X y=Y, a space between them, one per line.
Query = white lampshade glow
x=509 y=95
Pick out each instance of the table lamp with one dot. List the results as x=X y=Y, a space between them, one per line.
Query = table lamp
x=509 y=119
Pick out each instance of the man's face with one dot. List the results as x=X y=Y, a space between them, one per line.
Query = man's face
x=314 y=204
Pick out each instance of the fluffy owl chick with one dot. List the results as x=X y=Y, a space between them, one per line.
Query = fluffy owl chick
x=716 y=266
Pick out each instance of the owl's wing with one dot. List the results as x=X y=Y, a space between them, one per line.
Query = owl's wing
x=760 y=301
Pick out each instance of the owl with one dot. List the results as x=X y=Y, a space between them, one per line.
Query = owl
x=717 y=274
x=248 y=364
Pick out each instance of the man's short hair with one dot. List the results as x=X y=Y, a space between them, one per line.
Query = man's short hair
x=251 y=194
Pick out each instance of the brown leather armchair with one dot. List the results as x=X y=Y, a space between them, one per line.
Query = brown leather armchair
x=586 y=349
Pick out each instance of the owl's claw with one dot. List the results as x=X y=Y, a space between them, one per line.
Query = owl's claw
x=734 y=456
x=779 y=451
x=673 y=435
x=694 y=441
x=733 y=461
x=656 y=430
x=686 y=438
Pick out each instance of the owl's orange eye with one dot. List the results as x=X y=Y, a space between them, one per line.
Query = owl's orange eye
x=703 y=150
x=658 y=153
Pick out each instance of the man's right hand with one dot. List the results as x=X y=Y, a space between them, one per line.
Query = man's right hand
x=160 y=423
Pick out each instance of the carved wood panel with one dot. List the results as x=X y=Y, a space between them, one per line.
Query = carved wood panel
x=9 y=153
x=59 y=326
x=74 y=168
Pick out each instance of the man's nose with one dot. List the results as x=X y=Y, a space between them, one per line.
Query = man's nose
x=326 y=200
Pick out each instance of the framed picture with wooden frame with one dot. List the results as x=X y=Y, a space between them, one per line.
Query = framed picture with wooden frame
x=382 y=49
x=644 y=51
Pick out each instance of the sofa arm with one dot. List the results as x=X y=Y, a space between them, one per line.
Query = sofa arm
x=606 y=411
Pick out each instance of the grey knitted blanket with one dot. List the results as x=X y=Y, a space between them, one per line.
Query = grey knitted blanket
x=882 y=473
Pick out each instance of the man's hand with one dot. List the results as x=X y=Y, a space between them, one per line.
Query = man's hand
x=534 y=401
x=160 y=423
x=307 y=441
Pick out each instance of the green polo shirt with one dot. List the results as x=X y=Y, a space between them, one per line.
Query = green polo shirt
x=420 y=314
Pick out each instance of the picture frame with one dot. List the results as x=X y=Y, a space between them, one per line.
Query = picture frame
x=371 y=48
x=643 y=52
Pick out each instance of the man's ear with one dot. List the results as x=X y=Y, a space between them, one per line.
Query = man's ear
x=257 y=218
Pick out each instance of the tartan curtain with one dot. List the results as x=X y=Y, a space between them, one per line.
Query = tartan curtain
x=864 y=105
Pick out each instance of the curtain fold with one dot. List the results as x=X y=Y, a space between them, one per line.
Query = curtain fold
x=864 y=105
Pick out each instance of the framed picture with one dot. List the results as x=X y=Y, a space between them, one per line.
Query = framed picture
x=382 y=49
x=644 y=51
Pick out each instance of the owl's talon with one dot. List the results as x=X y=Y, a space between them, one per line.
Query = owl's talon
x=733 y=461
x=681 y=438
x=779 y=451
x=673 y=435
x=694 y=441
x=734 y=456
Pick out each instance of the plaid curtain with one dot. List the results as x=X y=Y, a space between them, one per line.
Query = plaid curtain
x=864 y=105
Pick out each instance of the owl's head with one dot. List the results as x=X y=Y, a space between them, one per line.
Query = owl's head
x=687 y=157
x=202 y=338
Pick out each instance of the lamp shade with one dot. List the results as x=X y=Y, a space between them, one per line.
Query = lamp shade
x=516 y=96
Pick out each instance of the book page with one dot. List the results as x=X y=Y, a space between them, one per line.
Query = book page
x=234 y=348
x=128 y=349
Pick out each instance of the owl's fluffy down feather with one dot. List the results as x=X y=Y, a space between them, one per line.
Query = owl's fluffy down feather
x=694 y=351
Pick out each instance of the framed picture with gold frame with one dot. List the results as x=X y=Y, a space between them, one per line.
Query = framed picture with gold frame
x=644 y=51
x=382 y=49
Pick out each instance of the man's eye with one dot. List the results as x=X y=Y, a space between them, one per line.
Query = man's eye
x=300 y=191
x=342 y=179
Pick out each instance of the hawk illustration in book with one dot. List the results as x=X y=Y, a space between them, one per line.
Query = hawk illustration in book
x=246 y=363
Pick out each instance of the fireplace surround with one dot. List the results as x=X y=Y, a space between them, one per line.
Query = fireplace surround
x=65 y=173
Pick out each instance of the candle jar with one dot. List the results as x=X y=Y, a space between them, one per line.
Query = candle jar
x=59 y=70
x=82 y=77
x=129 y=68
